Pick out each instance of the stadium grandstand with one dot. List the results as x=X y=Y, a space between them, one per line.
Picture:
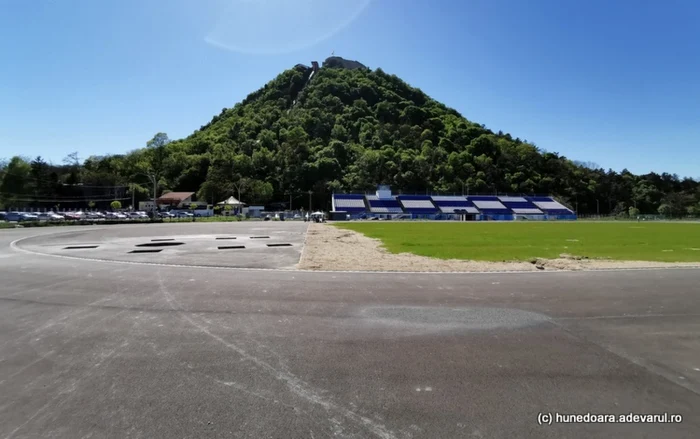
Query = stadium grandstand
x=384 y=205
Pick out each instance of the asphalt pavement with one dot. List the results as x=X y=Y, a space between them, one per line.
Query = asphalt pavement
x=102 y=345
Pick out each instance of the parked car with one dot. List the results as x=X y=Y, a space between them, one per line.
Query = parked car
x=95 y=215
x=74 y=215
x=2 y=216
x=50 y=216
x=166 y=215
x=184 y=215
x=138 y=215
x=20 y=216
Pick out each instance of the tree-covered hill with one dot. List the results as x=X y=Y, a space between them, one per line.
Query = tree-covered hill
x=349 y=129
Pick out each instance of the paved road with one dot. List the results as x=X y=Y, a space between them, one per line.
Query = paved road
x=101 y=349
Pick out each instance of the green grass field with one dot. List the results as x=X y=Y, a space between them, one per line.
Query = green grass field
x=643 y=241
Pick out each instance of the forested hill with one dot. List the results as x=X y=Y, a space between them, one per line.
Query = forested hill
x=348 y=129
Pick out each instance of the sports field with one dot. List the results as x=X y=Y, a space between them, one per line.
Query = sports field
x=510 y=241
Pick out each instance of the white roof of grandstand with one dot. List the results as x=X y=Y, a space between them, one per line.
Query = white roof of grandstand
x=448 y=198
x=353 y=202
x=550 y=205
x=372 y=197
x=512 y=199
x=417 y=203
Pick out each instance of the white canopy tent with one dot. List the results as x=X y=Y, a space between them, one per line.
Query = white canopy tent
x=231 y=201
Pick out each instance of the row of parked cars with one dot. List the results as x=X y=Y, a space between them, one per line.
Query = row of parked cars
x=69 y=216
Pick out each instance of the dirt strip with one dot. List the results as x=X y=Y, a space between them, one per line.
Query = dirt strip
x=331 y=248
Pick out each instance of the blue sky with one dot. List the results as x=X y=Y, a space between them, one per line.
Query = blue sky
x=612 y=82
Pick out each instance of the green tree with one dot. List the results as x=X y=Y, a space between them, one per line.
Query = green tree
x=115 y=205
x=91 y=204
x=193 y=206
x=158 y=141
x=634 y=212
x=664 y=210
x=15 y=184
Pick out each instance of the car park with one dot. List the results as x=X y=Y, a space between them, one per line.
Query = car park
x=20 y=216
x=137 y=215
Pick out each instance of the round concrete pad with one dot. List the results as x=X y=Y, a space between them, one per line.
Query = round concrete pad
x=439 y=318
x=187 y=244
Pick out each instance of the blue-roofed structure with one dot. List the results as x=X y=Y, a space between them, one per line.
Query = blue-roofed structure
x=384 y=205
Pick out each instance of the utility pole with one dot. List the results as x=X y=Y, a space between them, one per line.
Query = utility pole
x=597 y=203
x=133 y=197
x=153 y=177
x=310 y=208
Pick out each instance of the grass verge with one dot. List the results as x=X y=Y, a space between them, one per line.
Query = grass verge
x=522 y=241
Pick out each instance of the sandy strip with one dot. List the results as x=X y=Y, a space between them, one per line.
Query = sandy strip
x=331 y=248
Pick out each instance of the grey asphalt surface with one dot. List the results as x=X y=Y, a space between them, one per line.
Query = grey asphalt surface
x=100 y=349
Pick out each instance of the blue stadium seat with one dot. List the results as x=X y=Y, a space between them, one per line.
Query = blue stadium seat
x=448 y=204
x=384 y=205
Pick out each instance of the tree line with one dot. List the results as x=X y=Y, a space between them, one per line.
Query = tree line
x=343 y=131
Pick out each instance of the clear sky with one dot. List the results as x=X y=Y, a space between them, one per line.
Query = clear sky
x=615 y=82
